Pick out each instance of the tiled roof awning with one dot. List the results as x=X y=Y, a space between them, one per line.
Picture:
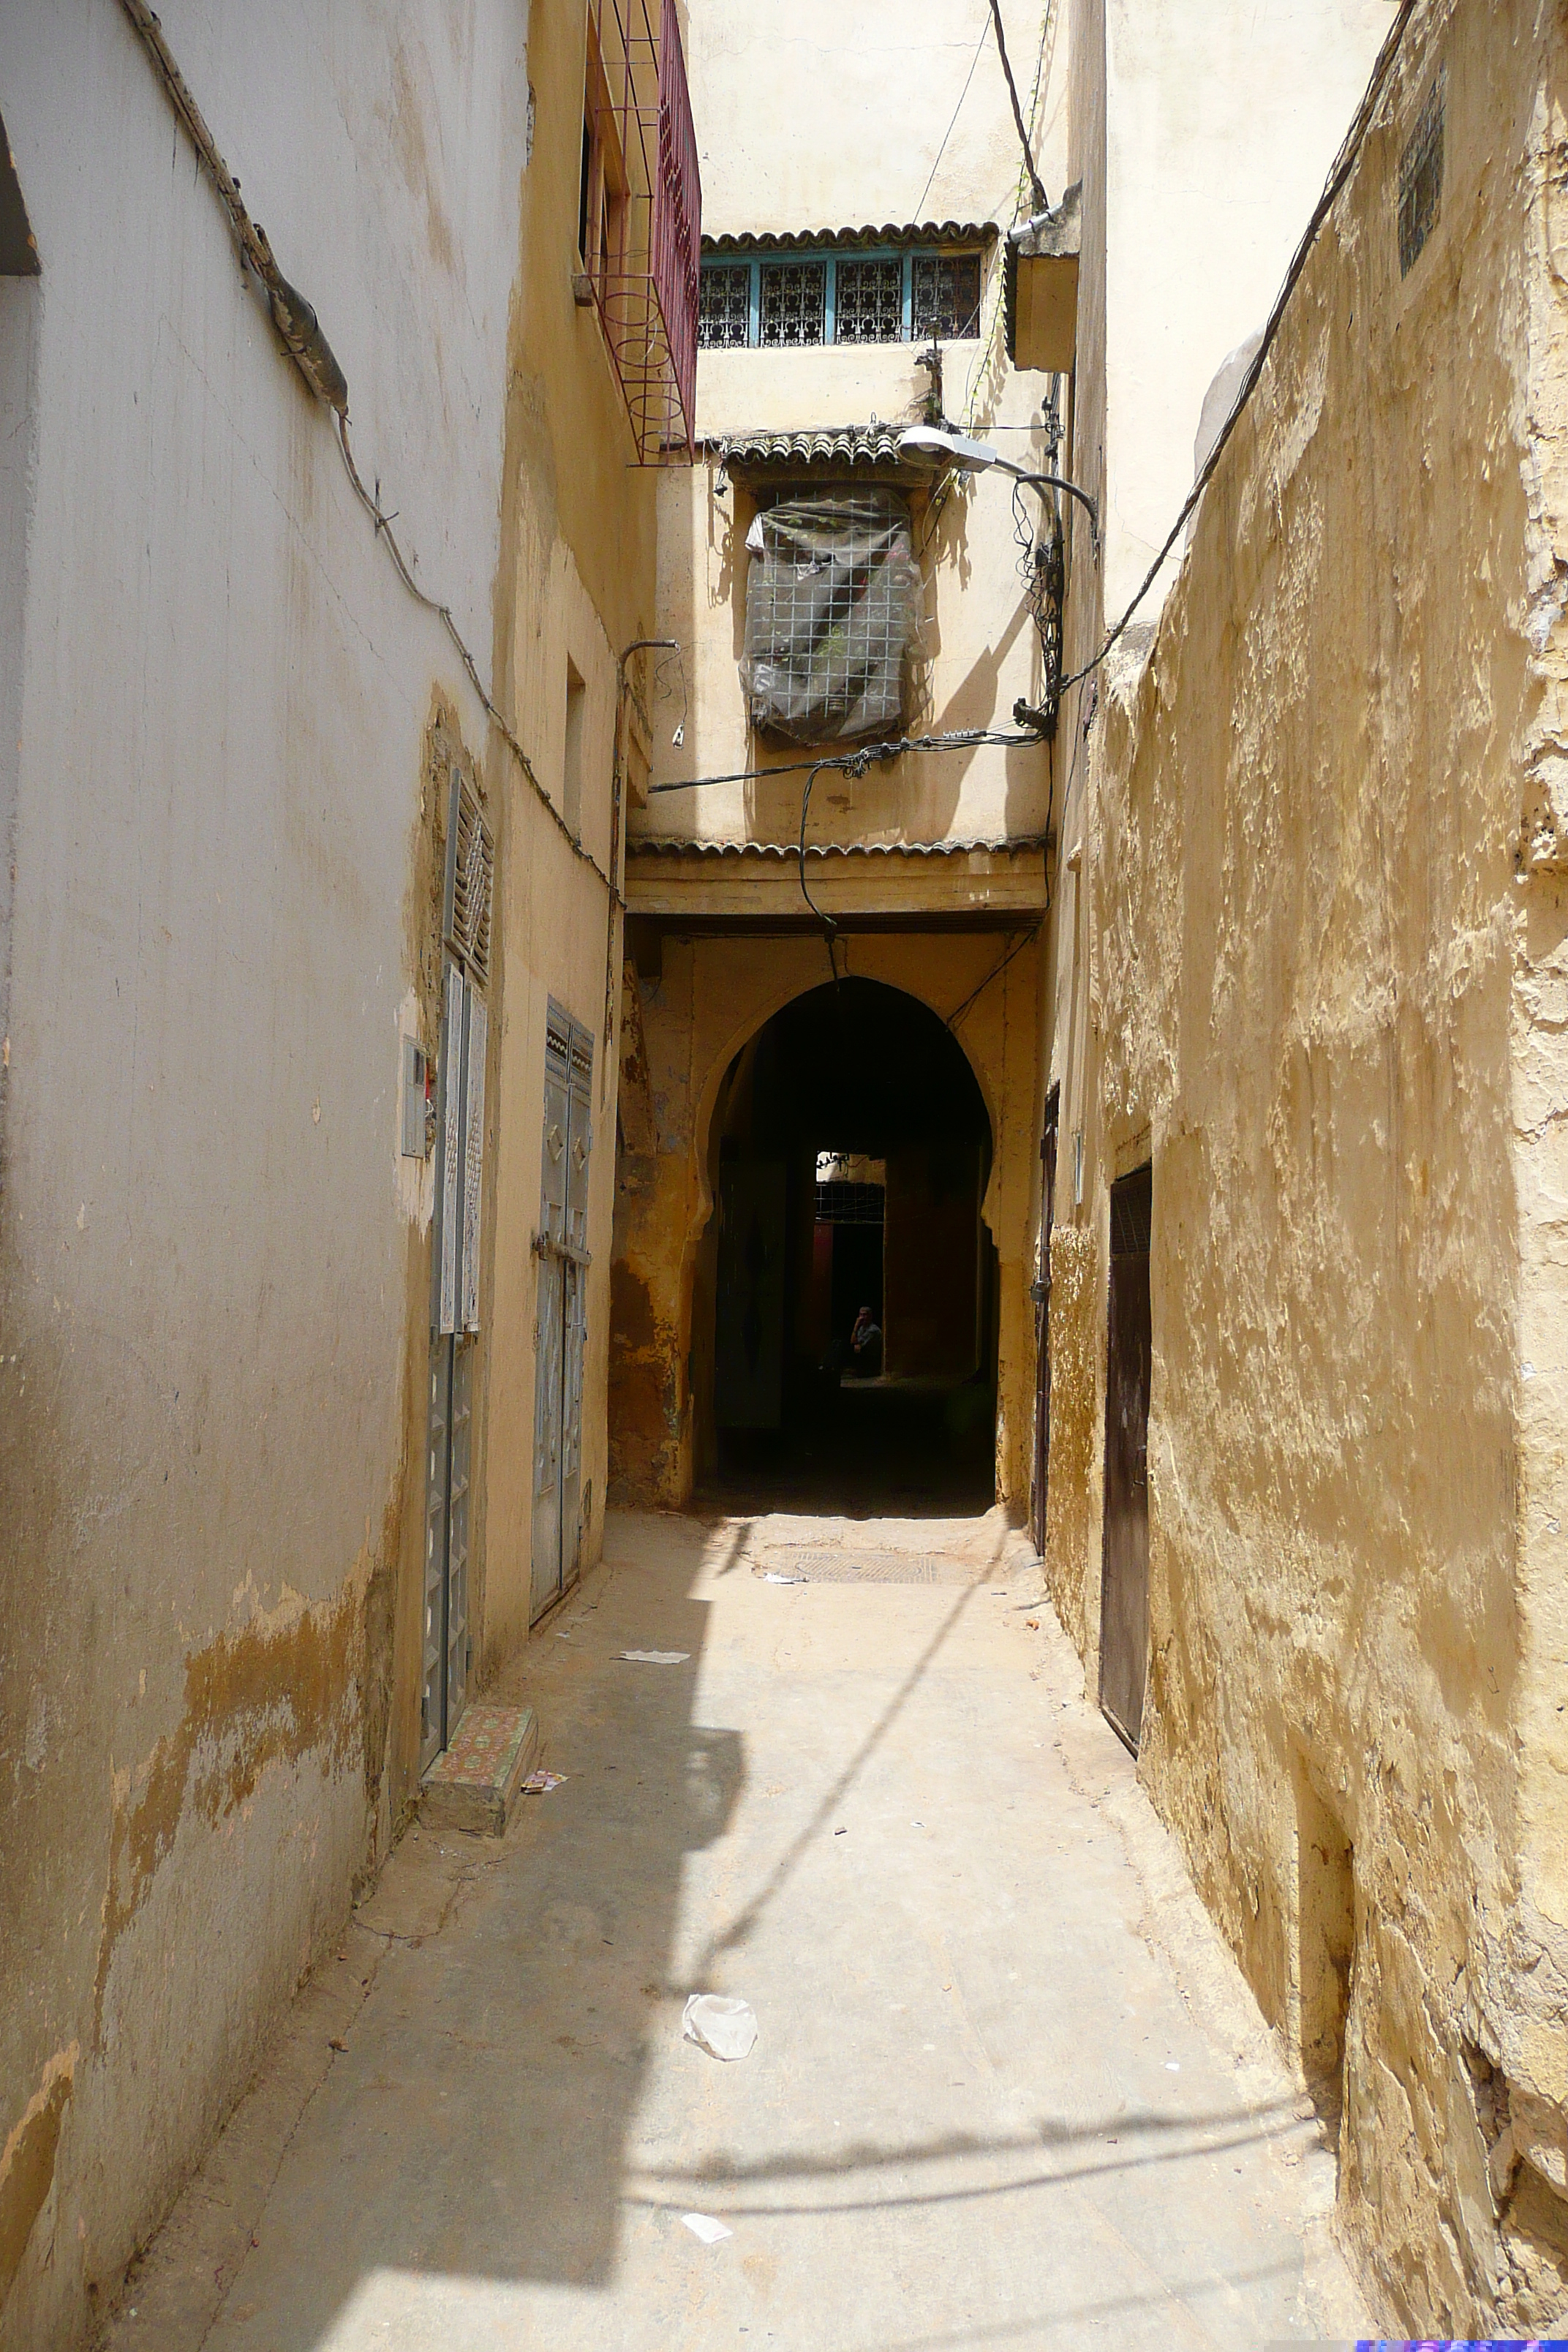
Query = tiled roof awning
x=649 y=844
x=846 y=448
x=735 y=884
x=891 y=233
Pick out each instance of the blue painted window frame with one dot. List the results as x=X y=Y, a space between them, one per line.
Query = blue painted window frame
x=906 y=256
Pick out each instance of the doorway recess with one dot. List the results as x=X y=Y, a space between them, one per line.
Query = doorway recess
x=845 y=1311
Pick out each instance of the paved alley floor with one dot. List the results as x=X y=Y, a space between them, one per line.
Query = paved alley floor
x=1007 y=2089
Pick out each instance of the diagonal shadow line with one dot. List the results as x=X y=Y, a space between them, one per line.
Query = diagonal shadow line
x=965 y=2195
x=719 y=2172
x=1001 y=2331
x=736 y=1550
x=741 y=1926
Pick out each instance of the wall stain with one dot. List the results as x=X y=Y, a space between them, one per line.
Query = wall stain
x=263 y=1695
x=27 y=2162
x=645 y=1405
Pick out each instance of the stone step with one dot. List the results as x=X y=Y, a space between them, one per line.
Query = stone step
x=473 y=1784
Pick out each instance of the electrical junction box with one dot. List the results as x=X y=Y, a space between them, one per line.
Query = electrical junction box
x=416 y=1105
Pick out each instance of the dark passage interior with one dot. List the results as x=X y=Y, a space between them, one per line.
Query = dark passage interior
x=846 y=1309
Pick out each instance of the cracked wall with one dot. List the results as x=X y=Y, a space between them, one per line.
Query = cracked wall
x=1325 y=989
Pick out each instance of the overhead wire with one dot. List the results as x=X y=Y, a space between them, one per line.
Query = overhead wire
x=829 y=928
x=1344 y=163
x=1042 y=202
x=865 y=756
x=300 y=331
x=947 y=134
x=998 y=969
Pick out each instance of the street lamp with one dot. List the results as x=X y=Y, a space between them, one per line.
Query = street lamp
x=930 y=444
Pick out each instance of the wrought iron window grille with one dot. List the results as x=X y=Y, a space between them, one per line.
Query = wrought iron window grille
x=725 y=312
x=869 y=307
x=640 y=215
x=773 y=302
x=945 y=290
x=793 y=302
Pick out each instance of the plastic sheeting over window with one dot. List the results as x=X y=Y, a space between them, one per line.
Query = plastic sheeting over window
x=831 y=609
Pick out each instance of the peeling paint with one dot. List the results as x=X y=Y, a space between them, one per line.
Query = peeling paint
x=27 y=2161
x=261 y=1696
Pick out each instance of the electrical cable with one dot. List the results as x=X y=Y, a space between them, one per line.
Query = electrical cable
x=1042 y=201
x=300 y=331
x=856 y=762
x=983 y=360
x=444 y=613
x=1342 y=166
x=829 y=928
x=1019 y=944
x=947 y=134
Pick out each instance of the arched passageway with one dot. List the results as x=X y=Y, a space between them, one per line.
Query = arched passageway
x=844 y=1317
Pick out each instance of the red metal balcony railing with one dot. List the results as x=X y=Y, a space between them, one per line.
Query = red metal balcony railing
x=642 y=218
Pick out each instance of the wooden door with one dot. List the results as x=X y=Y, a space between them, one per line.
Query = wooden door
x=560 y=1334
x=1124 y=1575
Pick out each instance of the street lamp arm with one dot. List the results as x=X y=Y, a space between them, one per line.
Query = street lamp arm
x=1055 y=482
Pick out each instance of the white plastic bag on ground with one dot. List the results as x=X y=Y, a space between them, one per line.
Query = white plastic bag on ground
x=725 y=2029
x=703 y=2226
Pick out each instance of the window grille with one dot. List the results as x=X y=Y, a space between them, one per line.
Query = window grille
x=841 y=298
x=725 y=320
x=850 y=1204
x=868 y=305
x=946 y=295
x=470 y=878
x=1421 y=177
x=830 y=616
x=794 y=302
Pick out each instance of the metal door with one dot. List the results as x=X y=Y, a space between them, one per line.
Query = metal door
x=1041 y=1293
x=454 y=1320
x=1124 y=1585
x=561 y=1326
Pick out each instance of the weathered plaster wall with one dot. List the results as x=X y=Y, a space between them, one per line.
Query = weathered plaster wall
x=858 y=105
x=1323 y=974
x=576 y=586
x=1222 y=125
x=230 y=725
x=681 y=1034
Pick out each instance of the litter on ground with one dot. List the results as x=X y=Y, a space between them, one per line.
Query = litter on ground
x=772 y=1576
x=703 y=2226
x=724 y=2027
x=539 y=1784
x=656 y=1657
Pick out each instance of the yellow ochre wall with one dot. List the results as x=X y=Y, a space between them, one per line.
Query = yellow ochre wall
x=577 y=583
x=682 y=1032
x=1321 y=983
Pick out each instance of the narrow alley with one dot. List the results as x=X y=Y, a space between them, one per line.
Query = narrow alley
x=784 y=1174
x=1007 y=2088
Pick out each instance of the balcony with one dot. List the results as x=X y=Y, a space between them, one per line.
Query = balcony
x=641 y=219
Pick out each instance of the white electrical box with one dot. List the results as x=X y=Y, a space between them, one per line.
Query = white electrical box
x=416 y=1099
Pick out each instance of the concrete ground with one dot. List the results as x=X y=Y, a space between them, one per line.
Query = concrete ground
x=1007 y=2088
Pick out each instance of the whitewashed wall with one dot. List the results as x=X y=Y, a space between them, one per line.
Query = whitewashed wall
x=221 y=691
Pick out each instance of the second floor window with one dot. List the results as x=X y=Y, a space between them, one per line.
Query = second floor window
x=773 y=300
